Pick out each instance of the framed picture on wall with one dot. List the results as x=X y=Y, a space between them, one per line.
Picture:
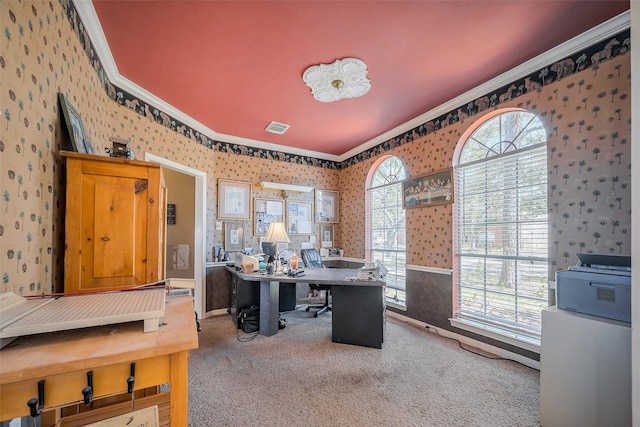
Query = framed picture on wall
x=326 y=235
x=266 y=211
x=233 y=236
x=327 y=205
x=432 y=189
x=72 y=118
x=299 y=217
x=234 y=199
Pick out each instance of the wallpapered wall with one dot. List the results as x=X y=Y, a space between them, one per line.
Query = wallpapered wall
x=43 y=53
x=588 y=119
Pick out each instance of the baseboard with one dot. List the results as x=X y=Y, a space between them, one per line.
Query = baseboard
x=217 y=312
x=497 y=351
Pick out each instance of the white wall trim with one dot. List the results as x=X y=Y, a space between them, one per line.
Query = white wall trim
x=436 y=270
x=96 y=34
x=635 y=207
x=586 y=39
x=92 y=25
x=469 y=341
x=200 y=251
x=486 y=331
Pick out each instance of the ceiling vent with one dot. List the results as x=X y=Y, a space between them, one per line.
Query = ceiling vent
x=279 y=128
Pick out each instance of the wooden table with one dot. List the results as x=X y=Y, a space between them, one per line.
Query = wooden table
x=62 y=360
x=358 y=306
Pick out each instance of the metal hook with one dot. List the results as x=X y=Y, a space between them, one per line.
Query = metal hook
x=87 y=392
x=131 y=379
x=36 y=405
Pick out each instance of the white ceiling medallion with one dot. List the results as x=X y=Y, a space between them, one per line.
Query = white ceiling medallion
x=345 y=78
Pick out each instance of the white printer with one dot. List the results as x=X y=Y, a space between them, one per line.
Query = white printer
x=599 y=285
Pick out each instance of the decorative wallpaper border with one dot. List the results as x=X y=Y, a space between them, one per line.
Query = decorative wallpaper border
x=591 y=56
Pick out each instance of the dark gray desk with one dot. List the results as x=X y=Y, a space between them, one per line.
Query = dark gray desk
x=358 y=308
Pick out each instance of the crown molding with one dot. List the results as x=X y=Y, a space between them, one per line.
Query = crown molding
x=594 y=35
x=582 y=41
x=92 y=25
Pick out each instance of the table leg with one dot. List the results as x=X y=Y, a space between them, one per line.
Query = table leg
x=269 y=301
x=179 y=382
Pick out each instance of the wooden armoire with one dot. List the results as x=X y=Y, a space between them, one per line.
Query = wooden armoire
x=114 y=223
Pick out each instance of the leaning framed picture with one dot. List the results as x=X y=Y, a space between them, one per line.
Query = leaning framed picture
x=233 y=236
x=266 y=211
x=299 y=217
x=234 y=199
x=74 y=125
x=433 y=189
x=327 y=205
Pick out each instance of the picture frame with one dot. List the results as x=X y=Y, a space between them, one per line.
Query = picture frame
x=218 y=254
x=327 y=206
x=433 y=189
x=233 y=236
x=299 y=217
x=326 y=235
x=72 y=118
x=266 y=211
x=234 y=200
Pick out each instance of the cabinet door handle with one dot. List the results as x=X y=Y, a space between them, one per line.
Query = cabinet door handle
x=105 y=239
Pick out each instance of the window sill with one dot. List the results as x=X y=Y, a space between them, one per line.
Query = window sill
x=497 y=334
x=395 y=304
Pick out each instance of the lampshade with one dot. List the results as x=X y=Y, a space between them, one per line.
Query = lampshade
x=277 y=233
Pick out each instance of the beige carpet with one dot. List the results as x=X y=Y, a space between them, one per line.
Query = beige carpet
x=300 y=378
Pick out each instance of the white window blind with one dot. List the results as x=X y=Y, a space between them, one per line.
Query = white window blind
x=502 y=240
x=387 y=225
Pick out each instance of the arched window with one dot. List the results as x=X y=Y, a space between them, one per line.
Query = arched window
x=500 y=272
x=386 y=225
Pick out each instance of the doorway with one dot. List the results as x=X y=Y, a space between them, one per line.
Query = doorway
x=176 y=251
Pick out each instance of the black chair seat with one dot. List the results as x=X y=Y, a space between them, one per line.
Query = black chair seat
x=311 y=258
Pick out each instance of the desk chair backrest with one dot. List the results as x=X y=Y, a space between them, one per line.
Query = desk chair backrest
x=311 y=258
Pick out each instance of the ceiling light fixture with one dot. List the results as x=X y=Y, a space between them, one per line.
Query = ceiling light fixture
x=344 y=78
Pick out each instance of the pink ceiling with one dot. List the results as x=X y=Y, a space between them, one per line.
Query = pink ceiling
x=235 y=66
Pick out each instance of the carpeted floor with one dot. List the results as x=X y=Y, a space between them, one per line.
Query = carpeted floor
x=300 y=378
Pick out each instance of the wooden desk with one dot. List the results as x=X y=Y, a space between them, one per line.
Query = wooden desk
x=63 y=359
x=358 y=307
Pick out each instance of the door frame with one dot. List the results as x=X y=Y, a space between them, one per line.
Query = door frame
x=200 y=252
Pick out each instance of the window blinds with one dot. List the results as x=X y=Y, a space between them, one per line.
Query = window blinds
x=387 y=232
x=502 y=240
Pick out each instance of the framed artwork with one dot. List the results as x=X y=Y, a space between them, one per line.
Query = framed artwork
x=266 y=211
x=327 y=205
x=326 y=235
x=432 y=189
x=77 y=135
x=234 y=199
x=299 y=217
x=233 y=236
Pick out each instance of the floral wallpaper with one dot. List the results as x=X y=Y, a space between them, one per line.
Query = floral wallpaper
x=583 y=101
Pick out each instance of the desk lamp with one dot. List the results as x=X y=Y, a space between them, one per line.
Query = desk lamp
x=277 y=234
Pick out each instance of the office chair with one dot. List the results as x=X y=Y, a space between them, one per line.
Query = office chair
x=311 y=258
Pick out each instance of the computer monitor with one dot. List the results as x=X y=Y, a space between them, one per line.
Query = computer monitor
x=270 y=249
